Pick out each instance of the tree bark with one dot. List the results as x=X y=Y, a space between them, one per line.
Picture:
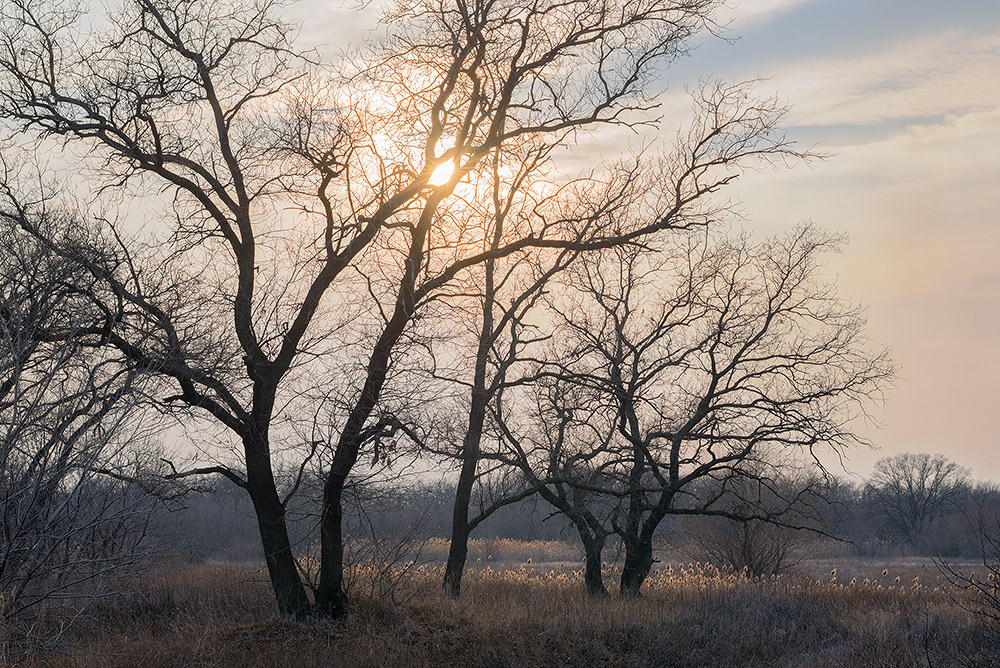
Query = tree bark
x=638 y=563
x=331 y=596
x=593 y=578
x=471 y=447
x=281 y=566
x=457 y=553
x=592 y=537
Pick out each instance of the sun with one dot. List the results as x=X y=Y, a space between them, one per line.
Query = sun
x=442 y=174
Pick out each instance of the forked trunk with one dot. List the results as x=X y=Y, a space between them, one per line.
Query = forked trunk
x=593 y=543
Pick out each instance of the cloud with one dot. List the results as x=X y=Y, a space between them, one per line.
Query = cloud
x=923 y=211
x=931 y=75
x=747 y=13
x=333 y=25
x=927 y=191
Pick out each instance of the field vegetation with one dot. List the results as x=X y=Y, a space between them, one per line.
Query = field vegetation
x=523 y=605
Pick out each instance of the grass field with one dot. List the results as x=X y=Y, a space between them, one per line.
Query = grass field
x=521 y=614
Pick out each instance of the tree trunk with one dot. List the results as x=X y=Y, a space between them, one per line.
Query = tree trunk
x=638 y=535
x=591 y=536
x=459 y=548
x=281 y=567
x=472 y=443
x=289 y=593
x=592 y=576
x=331 y=596
x=460 y=530
x=638 y=563
x=457 y=553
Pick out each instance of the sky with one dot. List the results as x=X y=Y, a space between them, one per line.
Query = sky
x=905 y=95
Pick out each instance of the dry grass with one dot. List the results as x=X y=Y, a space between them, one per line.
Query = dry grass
x=506 y=552
x=531 y=615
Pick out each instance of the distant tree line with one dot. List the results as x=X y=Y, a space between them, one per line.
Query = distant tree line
x=851 y=518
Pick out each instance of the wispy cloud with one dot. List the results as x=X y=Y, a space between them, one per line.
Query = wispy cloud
x=932 y=75
x=741 y=14
x=927 y=191
x=923 y=211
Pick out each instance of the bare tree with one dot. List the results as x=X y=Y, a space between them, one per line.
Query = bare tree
x=560 y=444
x=508 y=293
x=71 y=520
x=911 y=491
x=710 y=357
x=731 y=131
x=314 y=215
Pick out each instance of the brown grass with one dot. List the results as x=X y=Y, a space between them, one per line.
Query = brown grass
x=523 y=616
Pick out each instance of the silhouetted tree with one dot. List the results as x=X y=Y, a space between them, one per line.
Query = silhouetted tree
x=72 y=518
x=703 y=362
x=911 y=491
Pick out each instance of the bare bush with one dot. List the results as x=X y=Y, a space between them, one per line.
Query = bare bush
x=982 y=583
x=73 y=511
x=792 y=513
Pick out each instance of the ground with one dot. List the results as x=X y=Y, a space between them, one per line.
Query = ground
x=520 y=613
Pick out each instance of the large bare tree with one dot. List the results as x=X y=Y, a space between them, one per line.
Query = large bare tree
x=697 y=364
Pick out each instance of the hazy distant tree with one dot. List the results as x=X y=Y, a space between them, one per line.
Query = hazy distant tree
x=312 y=217
x=911 y=491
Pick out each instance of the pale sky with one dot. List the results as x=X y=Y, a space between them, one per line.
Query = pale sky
x=906 y=94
